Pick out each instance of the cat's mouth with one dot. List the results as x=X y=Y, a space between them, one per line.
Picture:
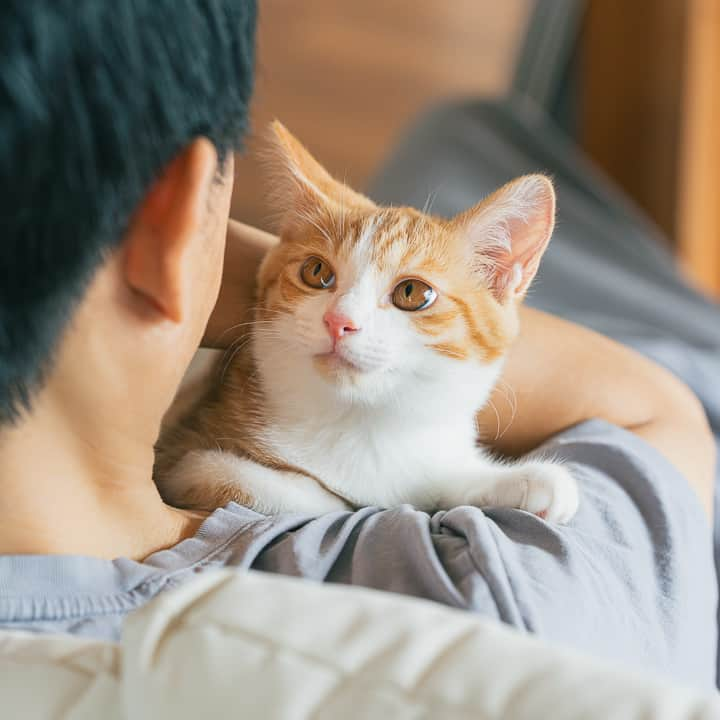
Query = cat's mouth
x=333 y=362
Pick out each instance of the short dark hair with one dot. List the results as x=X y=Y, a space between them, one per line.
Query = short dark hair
x=96 y=98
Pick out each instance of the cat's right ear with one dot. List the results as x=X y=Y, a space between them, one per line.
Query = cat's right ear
x=302 y=185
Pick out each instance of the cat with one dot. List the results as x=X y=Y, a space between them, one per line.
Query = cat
x=378 y=334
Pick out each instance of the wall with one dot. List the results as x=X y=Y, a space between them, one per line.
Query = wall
x=346 y=75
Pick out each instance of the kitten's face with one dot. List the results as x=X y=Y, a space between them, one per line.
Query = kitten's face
x=362 y=302
x=370 y=299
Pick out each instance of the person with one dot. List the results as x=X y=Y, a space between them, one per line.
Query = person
x=118 y=259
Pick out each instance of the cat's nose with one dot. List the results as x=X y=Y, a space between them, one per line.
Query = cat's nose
x=338 y=324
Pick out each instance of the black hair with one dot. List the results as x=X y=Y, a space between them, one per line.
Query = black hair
x=96 y=98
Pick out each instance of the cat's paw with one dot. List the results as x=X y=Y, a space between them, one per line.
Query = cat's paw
x=551 y=492
x=545 y=489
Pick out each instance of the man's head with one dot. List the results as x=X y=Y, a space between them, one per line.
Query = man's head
x=117 y=123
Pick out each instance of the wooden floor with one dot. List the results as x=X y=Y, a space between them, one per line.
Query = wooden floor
x=347 y=75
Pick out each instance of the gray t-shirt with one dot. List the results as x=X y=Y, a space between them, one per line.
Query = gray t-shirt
x=631 y=578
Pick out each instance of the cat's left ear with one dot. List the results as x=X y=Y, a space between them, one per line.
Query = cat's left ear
x=507 y=233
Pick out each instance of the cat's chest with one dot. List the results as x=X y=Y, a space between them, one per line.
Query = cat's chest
x=371 y=464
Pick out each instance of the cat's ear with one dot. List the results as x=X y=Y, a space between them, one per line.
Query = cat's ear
x=507 y=233
x=302 y=181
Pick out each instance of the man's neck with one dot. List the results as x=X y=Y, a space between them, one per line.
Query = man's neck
x=64 y=490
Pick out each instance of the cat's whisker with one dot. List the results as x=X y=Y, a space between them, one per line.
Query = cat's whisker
x=510 y=394
x=241 y=325
x=432 y=196
x=255 y=322
x=234 y=343
x=511 y=399
x=264 y=308
x=270 y=327
x=226 y=367
x=240 y=341
x=273 y=315
x=245 y=335
x=428 y=203
x=497 y=419
x=229 y=330
x=232 y=354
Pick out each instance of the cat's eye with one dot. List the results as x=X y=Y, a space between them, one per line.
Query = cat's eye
x=413 y=294
x=316 y=273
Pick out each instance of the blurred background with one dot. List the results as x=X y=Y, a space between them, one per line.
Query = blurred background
x=636 y=83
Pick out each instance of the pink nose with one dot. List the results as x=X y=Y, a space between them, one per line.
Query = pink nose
x=338 y=325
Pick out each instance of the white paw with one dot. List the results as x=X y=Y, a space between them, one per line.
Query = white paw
x=551 y=492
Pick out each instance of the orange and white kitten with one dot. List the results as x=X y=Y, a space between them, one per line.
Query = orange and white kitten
x=378 y=334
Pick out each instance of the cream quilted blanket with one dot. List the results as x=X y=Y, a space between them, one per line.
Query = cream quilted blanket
x=252 y=645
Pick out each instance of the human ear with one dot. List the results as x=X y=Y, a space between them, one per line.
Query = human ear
x=162 y=231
